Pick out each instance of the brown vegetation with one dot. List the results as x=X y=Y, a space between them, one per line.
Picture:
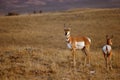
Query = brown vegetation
x=33 y=47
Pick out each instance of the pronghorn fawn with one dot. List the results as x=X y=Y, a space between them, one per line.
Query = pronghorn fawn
x=107 y=51
x=81 y=42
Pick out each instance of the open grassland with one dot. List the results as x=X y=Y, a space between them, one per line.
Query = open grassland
x=33 y=47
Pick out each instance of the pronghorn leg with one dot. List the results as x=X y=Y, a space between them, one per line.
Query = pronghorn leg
x=87 y=56
x=106 y=61
x=110 y=62
x=107 y=65
x=85 y=61
x=74 y=56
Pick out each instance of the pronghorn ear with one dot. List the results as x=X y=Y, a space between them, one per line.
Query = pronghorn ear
x=69 y=29
x=111 y=36
x=70 y=25
x=64 y=26
x=107 y=36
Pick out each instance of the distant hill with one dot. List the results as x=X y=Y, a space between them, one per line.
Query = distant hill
x=25 y=6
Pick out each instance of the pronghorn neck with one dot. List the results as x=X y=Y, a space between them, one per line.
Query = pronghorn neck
x=68 y=37
x=109 y=42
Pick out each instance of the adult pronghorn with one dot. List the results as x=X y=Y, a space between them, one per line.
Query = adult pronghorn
x=80 y=42
x=107 y=51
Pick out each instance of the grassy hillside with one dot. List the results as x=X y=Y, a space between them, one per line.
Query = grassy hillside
x=33 y=47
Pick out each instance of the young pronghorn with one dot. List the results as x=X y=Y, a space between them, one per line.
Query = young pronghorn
x=80 y=42
x=107 y=51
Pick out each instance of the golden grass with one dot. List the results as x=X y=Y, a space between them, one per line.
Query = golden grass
x=32 y=47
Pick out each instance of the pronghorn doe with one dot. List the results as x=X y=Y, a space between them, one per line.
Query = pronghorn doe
x=83 y=43
x=107 y=51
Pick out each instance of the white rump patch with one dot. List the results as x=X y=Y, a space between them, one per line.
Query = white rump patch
x=106 y=49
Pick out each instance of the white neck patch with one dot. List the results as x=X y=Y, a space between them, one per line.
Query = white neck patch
x=68 y=34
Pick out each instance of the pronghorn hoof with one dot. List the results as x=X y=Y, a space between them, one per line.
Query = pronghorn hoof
x=111 y=68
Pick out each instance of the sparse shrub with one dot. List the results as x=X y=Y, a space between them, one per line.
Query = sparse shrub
x=40 y=11
x=12 y=14
x=34 y=12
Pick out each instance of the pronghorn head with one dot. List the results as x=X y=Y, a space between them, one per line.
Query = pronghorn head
x=67 y=31
x=109 y=39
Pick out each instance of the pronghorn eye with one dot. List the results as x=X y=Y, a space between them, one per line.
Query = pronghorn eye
x=65 y=33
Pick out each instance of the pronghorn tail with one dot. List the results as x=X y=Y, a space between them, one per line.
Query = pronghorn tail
x=106 y=50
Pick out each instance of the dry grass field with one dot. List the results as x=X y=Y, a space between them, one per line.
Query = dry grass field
x=33 y=47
